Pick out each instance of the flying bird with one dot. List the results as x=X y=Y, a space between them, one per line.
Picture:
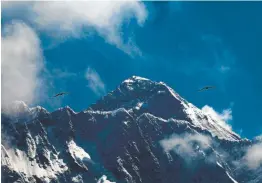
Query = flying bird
x=206 y=88
x=59 y=94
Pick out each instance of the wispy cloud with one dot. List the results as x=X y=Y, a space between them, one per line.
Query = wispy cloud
x=253 y=157
x=21 y=64
x=60 y=73
x=222 y=56
x=222 y=118
x=95 y=83
x=224 y=69
x=240 y=132
x=71 y=19
x=184 y=145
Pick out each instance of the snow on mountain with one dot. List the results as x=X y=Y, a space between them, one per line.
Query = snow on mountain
x=78 y=153
x=141 y=132
x=234 y=181
x=18 y=111
x=156 y=97
x=103 y=179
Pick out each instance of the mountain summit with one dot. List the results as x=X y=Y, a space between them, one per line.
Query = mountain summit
x=142 y=132
x=139 y=95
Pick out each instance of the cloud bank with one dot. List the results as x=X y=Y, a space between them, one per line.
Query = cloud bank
x=72 y=19
x=95 y=83
x=221 y=118
x=22 y=63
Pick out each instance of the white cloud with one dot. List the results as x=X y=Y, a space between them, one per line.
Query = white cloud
x=70 y=19
x=184 y=144
x=222 y=118
x=95 y=83
x=21 y=64
x=60 y=73
x=224 y=69
x=258 y=138
x=253 y=157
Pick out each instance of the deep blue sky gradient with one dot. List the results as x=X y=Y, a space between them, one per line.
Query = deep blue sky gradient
x=184 y=45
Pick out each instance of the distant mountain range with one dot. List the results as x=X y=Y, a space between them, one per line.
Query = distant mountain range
x=142 y=132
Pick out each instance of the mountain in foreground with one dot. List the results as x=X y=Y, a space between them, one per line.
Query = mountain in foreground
x=141 y=132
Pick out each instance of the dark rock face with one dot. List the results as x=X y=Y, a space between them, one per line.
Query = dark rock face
x=143 y=132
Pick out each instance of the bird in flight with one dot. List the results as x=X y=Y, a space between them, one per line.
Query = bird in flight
x=206 y=88
x=62 y=93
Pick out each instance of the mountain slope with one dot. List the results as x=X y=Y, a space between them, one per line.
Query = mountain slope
x=141 y=132
x=142 y=95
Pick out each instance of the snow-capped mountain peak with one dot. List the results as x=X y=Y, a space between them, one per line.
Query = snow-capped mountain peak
x=143 y=95
x=142 y=132
x=135 y=78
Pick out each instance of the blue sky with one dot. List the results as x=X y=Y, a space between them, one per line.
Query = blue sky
x=184 y=44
